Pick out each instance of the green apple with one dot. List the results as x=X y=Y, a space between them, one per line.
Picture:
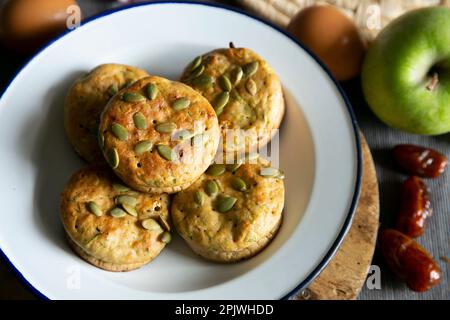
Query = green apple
x=406 y=72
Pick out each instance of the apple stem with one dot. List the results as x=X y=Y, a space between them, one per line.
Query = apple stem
x=232 y=45
x=434 y=80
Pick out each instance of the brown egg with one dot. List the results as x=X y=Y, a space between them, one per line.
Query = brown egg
x=27 y=24
x=333 y=37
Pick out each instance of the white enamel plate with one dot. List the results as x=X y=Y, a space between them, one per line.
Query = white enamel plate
x=319 y=151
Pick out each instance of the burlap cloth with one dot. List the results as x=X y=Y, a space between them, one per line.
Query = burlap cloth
x=369 y=15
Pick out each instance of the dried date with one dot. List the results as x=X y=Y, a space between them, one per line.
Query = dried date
x=415 y=207
x=420 y=161
x=409 y=261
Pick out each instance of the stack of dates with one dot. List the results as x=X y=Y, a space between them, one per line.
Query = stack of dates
x=407 y=259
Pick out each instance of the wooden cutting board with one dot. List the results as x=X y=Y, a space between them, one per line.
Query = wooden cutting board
x=345 y=275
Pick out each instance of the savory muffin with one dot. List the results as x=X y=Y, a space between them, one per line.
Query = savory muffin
x=86 y=100
x=111 y=226
x=159 y=135
x=245 y=93
x=231 y=212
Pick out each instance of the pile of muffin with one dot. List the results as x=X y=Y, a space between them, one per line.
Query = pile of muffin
x=156 y=161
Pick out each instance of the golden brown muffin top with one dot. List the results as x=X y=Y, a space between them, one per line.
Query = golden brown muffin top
x=86 y=100
x=241 y=209
x=88 y=211
x=159 y=135
x=244 y=91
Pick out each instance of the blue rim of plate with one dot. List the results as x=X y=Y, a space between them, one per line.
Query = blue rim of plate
x=347 y=223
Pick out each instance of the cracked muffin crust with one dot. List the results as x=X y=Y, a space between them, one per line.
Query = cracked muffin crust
x=231 y=212
x=159 y=135
x=86 y=100
x=245 y=93
x=111 y=226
